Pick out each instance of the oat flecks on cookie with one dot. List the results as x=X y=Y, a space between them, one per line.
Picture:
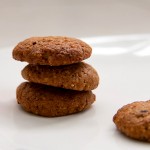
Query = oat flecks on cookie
x=134 y=120
x=59 y=82
x=80 y=76
x=51 y=101
x=52 y=50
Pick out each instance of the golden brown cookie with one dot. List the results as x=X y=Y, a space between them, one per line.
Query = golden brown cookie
x=79 y=76
x=134 y=120
x=52 y=50
x=50 y=101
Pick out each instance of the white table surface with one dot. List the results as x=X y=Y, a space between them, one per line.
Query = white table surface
x=123 y=65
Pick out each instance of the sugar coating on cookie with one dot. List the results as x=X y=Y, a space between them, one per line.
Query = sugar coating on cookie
x=49 y=101
x=80 y=76
x=52 y=50
x=134 y=120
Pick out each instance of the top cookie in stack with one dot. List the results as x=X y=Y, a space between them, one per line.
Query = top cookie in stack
x=59 y=82
x=52 y=50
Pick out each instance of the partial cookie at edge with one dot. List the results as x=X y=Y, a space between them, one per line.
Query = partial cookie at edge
x=134 y=120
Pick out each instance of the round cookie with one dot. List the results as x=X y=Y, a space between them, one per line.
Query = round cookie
x=52 y=50
x=79 y=76
x=134 y=120
x=50 y=101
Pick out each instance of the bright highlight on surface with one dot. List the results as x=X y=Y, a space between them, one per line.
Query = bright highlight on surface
x=117 y=45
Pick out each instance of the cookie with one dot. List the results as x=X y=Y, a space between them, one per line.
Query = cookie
x=52 y=50
x=79 y=76
x=134 y=120
x=49 y=101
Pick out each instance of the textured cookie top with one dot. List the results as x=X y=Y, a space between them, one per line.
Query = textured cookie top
x=50 y=101
x=134 y=120
x=52 y=50
x=79 y=76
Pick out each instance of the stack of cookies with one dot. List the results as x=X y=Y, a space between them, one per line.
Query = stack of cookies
x=59 y=83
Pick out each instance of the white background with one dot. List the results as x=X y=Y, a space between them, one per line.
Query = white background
x=20 y=19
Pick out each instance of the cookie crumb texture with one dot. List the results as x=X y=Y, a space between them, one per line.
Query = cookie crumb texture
x=52 y=50
x=52 y=102
x=134 y=120
x=79 y=76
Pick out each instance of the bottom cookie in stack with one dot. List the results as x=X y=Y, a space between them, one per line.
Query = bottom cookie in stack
x=51 y=101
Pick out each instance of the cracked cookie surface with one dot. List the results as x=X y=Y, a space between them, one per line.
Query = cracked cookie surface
x=52 y=50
